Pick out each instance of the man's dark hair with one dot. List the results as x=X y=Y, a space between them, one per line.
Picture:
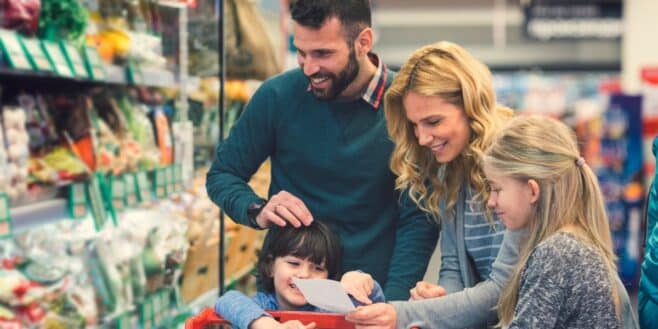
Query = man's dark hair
x=315 y=242
x=354 y=15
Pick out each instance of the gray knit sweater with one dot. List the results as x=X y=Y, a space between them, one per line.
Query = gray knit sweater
x=565 y=284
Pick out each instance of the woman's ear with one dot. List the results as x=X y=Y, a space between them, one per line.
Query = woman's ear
x=534 y=190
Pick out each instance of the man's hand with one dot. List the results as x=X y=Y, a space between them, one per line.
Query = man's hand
x=359 y=285
x=425 y=290
x=375 y=316
x=284 y=208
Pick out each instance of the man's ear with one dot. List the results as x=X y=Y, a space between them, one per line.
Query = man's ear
x=364 y=42
x=534 y=190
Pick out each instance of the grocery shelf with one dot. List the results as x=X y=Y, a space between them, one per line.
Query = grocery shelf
x=36 y=214
x=114 y=75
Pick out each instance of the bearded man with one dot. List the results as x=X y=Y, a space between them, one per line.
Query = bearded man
x=323 y=127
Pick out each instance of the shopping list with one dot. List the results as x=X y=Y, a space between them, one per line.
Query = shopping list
x=328 y=295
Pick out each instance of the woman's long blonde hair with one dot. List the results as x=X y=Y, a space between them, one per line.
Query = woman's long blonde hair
x=447 y=70
x=545 y=150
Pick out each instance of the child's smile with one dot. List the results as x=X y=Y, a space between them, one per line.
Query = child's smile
x=289 y=267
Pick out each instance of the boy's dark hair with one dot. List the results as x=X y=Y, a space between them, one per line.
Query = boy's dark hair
x=354 y=15
x=315 y=242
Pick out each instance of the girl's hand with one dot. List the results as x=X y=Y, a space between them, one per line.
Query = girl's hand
x=359 y=285
x=295 y=324
x=267 y=322
x=425 y=290
x=375 y=316
x=264 y=322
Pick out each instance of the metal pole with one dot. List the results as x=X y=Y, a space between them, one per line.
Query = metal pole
x=222 y=79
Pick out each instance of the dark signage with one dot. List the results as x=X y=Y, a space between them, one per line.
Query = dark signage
x=573 y=19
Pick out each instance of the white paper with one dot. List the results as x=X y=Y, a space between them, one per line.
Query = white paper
x=328 y=295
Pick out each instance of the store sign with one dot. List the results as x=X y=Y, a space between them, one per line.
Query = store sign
x=573 y=19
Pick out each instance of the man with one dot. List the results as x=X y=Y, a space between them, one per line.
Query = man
x=323 y=127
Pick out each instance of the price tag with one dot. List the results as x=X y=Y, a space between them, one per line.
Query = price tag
x=11 y=46
x=77 y=200
x=160 y=183
x=135 y=74
x=5 y=217
x=146 y=314
x=157 y=308
x=144 y=188
x=124 y=321
x=95 y=198
x=178 y=177
x=131 y=189
x=74 y=59
x=118 y=193
x=171 y=179
x=57 y=59
x=36 y=55
x=94 y=64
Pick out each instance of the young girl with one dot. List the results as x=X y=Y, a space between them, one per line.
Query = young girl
x=308 y=252
x=566 y=276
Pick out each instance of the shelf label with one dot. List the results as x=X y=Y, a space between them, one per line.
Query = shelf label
x=77 y=200
x=75 y=61
x=131 y=189
x=124 y=321
x=94 y=64
x=118 y=193
x=56 y=58
x=143 y=186
x=160 y=183
x=171 y=179
x=135 y=74
x=11 y=45
x=95 y=198
x=178 y=177
x=36 y=55
x=146 y=314
x=5 y=217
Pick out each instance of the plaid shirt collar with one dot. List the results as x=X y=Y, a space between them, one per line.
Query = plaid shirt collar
x=375 y=92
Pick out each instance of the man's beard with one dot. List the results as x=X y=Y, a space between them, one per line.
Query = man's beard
x=339 y=82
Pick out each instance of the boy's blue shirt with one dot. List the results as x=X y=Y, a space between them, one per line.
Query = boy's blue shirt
x=240 y=310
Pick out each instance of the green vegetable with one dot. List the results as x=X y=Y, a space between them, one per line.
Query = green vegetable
x=63 y=19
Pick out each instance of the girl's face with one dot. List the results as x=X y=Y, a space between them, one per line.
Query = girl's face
x=440 y=126
x=511 y=199
x=284 y=270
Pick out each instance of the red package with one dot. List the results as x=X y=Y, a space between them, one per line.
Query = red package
x=20 y=15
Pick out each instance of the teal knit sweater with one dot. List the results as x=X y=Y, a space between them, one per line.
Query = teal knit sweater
x=335 y=157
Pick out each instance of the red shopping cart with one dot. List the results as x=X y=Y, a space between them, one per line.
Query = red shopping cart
x=208 y=318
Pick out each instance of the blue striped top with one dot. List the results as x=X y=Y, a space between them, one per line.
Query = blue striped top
x=481 y=238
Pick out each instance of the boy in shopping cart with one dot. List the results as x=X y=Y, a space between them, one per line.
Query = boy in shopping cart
x=308 y=252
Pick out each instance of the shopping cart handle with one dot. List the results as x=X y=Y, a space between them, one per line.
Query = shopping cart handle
x=204 y=318
x=322 y=320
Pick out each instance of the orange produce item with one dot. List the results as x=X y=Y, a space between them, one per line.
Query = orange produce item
x=164 y=138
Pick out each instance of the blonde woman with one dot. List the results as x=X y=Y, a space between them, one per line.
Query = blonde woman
x=566 y=276
x=441 y=113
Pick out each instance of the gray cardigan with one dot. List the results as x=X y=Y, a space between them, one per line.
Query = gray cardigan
x=469 y=304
